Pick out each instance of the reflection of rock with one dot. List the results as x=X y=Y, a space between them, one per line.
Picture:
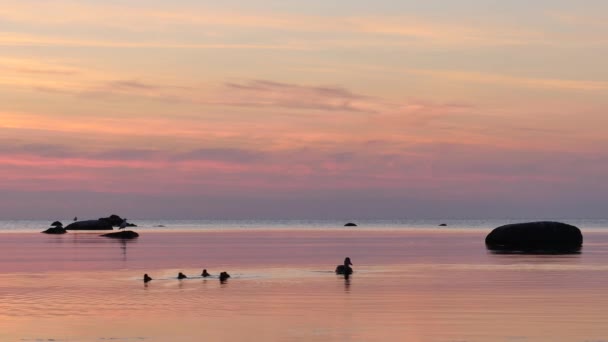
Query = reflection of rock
x=90 y=225
x=56 y=224
x=124 y=234
x=55 y=230
x=350 y=224
x=535 y=237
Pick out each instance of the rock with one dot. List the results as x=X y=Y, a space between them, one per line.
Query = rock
x=124 y=234
x=55 y=230
x=350 y=224
x=114 y=220
x=89 y=225
x=536 y=237
x=443 y=225
x=56 y=224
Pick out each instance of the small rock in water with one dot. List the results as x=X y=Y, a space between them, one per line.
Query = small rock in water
x=350 y=224
x=443 y=225
x=125 y=234
x=55 y=230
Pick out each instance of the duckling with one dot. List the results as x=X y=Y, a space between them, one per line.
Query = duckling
x=147 y=278
x=181 y=276
x=345 y=269
x=205 y=274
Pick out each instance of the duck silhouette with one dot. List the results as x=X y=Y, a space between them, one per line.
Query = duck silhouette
x=224 y=276
x=180 y=275
x=147 y=278
x=205 y=274
x=345 y=269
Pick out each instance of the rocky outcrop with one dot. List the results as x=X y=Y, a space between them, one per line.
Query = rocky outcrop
x=536 y=237
x=89 y=225
x=116 y=221
x=124 y=234
x=55 y=230
x=56 y=224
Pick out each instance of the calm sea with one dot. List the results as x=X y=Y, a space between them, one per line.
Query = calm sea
x=413 y=281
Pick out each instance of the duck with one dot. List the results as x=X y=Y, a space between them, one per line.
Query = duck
x=147 y=278
x=224 y=276
x=205 y=274
x=345 y=269
x=181 y=276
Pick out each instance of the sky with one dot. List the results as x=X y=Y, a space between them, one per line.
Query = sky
x=303 y=109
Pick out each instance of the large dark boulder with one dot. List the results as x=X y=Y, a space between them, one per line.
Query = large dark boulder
x=124 y=234
x=113 y=220
x=536 y=237
x=55 y=230
x=56 y=224
x=90 y=225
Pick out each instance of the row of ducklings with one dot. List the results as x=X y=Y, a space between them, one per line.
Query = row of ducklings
x=223 y=276
x=344 y=269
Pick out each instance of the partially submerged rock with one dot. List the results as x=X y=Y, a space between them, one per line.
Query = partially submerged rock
x=443 y=225
x=350 y=224
x=124 y=234
x=90 y=225
x=536 y=237
x=55 y=230
x=56 y=224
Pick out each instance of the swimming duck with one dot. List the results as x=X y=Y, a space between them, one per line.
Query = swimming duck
x=205 y=274
x=224 y=276
x=345 y=269
x=147 y=278
x=181 y=276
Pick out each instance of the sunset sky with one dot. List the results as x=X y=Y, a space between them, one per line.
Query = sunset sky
x=304 y=109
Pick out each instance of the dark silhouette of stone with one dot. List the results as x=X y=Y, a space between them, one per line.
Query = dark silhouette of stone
x=146 y=278
x=345 y=269
x=55 y=230
x=125 y=234
x=536 y=237
x=443 y=225
x=114 y=220
x=56 y=224
x=180 y=275
x=89 y=225
x=205 y=274
x=224 y=276
x=350 y=224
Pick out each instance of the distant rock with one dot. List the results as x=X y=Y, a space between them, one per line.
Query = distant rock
x=114 y=220
x=350 y=224
x=536 y=237
x=56 y=224
x=124 y=234
x=443 y=225
x=89 y=225
x=55 y=230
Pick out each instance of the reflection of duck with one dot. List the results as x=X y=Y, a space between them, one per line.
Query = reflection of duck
x=205 y=274
x=180 y=275
x=147 y=278
x=345 y=269
x=224 y=276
